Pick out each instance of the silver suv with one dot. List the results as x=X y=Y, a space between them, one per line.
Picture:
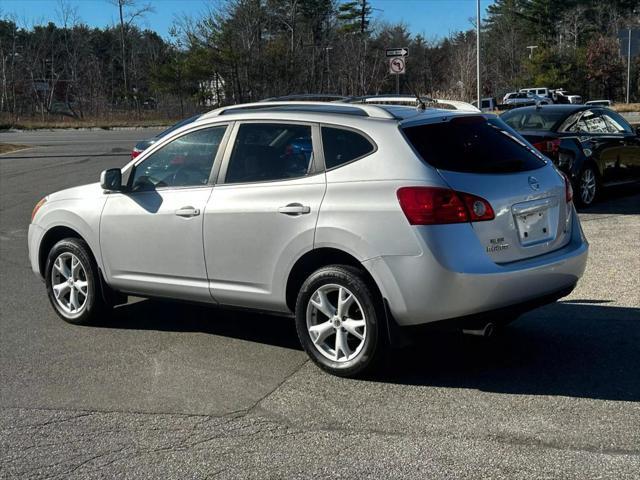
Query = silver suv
x=361 y=220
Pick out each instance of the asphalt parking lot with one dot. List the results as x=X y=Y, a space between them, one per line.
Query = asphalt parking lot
x=176 y=391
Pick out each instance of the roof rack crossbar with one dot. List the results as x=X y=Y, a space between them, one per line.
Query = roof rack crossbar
x=372 y=111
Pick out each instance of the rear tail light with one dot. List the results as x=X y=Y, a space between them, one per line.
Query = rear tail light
x=479 y=209
x=548 y=146
x=434 y=206
x=568 y=189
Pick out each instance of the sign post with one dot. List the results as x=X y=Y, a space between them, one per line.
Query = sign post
x=397 y=63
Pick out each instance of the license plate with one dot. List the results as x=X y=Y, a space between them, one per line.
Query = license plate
x=533 y=227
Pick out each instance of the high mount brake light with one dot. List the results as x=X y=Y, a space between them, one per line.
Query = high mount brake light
x=468 y=120
x=435 y=206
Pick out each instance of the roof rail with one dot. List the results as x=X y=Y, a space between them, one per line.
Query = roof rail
x=372 y=111
x=307 y=97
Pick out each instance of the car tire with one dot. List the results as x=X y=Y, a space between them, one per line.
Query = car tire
x=73 y=282
x=587 y=186
x=343 y=337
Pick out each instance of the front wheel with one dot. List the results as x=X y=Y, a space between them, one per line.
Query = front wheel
x=338 y=321
x=72 y=281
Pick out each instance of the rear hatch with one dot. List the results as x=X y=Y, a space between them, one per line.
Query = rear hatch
x=484 y=157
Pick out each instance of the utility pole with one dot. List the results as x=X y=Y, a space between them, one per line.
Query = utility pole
x=124 y=58
x=629 y=65
x=326 y=49
x=478 y=51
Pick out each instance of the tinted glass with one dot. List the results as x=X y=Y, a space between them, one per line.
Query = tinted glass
x=532 y=119
x=270 y=151
x=615 y=123
x=590 y=122
x=473 y=144
x=185 y=161
x=342 y=146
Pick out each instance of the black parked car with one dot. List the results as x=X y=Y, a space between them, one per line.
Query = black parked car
x=594 y=146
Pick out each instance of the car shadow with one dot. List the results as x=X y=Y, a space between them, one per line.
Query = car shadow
x=624 y=200
x=170 y=316
x=579 y=348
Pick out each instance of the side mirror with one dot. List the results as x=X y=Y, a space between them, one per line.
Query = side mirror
x=111 y=180
x=638 y=130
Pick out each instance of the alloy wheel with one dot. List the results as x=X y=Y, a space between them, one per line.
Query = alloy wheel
x=336 y=323
x=587 y=186
x=69 y=284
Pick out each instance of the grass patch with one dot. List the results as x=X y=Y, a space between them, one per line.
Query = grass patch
x=28 y=124
x=10 y=147
x=626 y=107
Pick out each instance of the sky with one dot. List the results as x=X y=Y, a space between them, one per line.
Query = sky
x=432 y=18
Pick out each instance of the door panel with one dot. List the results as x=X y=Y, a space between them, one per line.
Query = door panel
x=256 y=228
x=151 y=242
x=632 y=145
x=151 y=235
x=254 y=233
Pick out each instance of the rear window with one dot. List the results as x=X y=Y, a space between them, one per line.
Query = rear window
x=539 y=119
x=473 y=144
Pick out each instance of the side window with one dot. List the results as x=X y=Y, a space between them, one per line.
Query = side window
x=270 y=151
x=615 y=123
x=572 y=124
x=342 y=146
x=593 y=122
x=183 y=162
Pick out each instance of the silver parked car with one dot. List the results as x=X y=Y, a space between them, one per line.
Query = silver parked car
x=522 y=99
x=362 y=221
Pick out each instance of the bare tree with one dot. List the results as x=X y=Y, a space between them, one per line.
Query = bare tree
x=128 y=12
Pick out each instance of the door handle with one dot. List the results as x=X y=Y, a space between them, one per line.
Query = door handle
x=188 y=212
x=295 y=209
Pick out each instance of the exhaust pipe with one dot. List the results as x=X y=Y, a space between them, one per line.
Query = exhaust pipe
x=486 y=331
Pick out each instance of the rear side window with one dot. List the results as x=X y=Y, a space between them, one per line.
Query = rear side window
x=343 y=146
x=616 y=123
x=270 y=151
x=473 y=144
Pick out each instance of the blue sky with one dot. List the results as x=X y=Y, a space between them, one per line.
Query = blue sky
x=433 y=18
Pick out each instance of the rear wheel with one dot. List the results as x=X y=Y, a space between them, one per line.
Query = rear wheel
x=338 y=321
x=72 y=281
x=588 y=188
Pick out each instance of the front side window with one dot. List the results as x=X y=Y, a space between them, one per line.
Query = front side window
x=270 y=151
x=343 y=146
x=183 y=162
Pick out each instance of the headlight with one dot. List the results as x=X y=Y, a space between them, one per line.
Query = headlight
x=37 y=207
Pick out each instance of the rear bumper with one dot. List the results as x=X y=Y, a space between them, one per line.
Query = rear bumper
x=463 y=282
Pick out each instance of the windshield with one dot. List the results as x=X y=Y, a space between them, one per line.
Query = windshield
x=473 y=144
